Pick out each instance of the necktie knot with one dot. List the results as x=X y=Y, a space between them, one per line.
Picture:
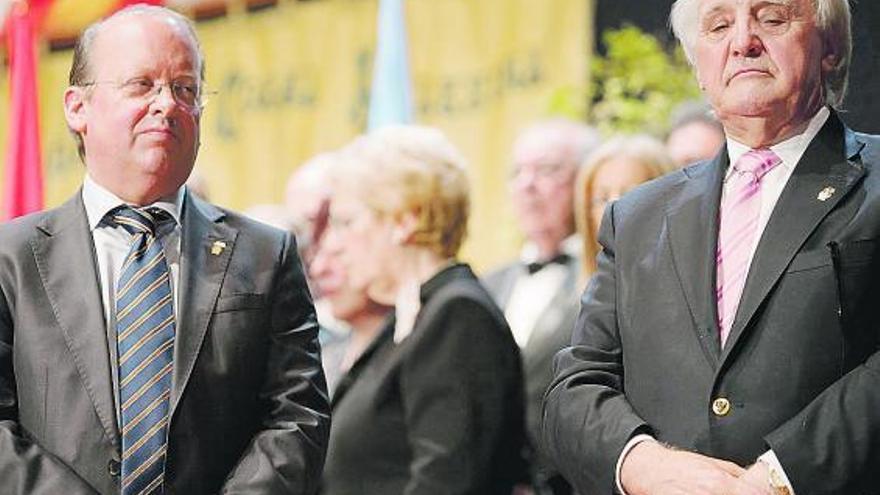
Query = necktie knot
x=138 y=221
x=757 y=163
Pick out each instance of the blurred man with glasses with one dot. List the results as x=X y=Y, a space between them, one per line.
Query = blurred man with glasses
x=538 y=292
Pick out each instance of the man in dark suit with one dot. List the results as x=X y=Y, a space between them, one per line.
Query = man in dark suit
x=151 y=342
x=727 y=343
x=538 y=292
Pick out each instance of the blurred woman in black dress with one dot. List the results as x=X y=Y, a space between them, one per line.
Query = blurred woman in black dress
x=436 y=405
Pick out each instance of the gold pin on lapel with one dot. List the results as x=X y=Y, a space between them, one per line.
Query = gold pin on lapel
x=826 y=193
x=218 y=247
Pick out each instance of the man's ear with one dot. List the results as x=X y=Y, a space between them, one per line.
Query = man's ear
x=405 y=226
x=74 y=109
x=829 y=62
x=830 y=55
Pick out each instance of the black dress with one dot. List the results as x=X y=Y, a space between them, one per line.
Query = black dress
x=441 y=412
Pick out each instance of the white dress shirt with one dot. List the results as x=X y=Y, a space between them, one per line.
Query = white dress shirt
x=532 y=293
x=112 y=243
x=790 y=152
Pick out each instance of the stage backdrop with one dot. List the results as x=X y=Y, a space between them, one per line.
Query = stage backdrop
x=293 y=80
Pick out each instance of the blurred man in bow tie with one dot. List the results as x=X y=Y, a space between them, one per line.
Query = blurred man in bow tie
x=538 y=292
x=151 y=342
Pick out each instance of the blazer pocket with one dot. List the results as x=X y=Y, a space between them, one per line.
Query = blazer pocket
x=240 y=302
x=856 y=253
x=855 y=266
x=810 y=260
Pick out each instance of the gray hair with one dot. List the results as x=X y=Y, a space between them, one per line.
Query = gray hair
x=573 y=140
x=80 y=68
x=832 y=19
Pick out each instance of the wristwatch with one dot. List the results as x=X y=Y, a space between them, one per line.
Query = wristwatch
x=777 y=483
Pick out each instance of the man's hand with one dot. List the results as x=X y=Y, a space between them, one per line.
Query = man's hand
x=652 y=469
x=758 y=475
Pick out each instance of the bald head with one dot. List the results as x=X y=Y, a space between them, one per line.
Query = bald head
x=80 y=69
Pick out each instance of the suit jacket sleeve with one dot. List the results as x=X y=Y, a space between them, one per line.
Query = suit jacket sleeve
x=587 y=418
x=25 y=467
x=287 y=454
x=833 y=444
x=837 y=433
x=456 y=381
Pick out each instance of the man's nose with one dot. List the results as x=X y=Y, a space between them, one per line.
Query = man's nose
x=163 y=100
x=746 y=41
x=524 y=179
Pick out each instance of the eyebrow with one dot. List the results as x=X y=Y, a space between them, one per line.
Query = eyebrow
x=774 y=3
x=718 y=8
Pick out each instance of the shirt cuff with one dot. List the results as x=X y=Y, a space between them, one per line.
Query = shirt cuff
x=773 y=463
x=626 y=448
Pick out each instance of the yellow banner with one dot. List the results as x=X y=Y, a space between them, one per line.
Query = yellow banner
x=293 y=80
x=481 y=72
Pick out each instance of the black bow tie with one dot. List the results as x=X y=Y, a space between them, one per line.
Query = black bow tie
x=536 y=266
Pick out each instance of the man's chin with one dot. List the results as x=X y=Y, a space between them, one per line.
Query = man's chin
x=749 y=107
x=748 y=98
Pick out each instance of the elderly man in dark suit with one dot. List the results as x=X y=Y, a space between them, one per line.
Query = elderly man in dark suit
x=727 y=343
x=150 y=342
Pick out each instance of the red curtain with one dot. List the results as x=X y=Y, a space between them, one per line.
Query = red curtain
x=23 y=184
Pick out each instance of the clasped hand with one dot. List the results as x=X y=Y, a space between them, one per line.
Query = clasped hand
x=653 y=469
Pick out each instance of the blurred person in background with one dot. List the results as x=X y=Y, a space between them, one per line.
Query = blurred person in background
x=273 y=215
x=695 y=134
x=307 y=205
x=439 y=406
x=307 y=196
x=349 y=305
x=617 y=166
x=538 y=292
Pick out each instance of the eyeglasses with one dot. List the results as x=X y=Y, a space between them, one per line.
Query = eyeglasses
x=186 y=94
x=551 y=172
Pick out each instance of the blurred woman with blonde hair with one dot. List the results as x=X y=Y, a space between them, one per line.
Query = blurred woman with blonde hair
x=439 y=406
x=618 y=165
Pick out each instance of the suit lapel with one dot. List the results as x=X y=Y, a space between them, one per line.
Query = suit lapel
x=798 y=212
x=61 y=247
x=509 y=278
x=206 y=247
x=693 y=227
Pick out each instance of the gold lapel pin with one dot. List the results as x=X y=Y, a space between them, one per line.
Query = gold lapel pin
x=218 y=247
x=826 y=193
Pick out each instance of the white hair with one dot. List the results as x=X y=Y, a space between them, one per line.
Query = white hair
x=571 y=140
x=832 y=19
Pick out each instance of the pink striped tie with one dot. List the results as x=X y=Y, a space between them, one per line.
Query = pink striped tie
x=740 y=209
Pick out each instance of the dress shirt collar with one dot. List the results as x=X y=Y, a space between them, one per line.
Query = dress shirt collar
x=99 y=201
x=789 y=151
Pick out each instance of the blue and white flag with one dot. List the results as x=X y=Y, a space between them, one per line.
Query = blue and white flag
x=391 y=92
